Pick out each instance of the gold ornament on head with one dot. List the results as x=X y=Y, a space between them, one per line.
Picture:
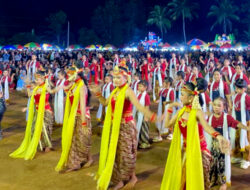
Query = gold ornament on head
x=122 y=69
x=196 y=103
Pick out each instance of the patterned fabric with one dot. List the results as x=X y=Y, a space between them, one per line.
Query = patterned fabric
x=144 y=134
x=125 y=154
x=206 y=161
x=45 y=140
x=217 y=172
x=81 y=144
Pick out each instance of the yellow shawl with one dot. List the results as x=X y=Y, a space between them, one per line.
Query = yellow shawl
x=68 y=124
x=28 y=148
x=110 y=136
x=194 y=169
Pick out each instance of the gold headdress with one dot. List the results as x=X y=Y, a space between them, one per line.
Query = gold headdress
x=73 y=71
x=196 y=92
x=122 y=68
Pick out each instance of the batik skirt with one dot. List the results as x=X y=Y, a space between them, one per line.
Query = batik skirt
x=125 y=159
x=81 y=144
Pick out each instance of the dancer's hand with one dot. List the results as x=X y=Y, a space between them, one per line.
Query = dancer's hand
x=24 y=109
x=1 y=94
x=94 y=88
x=224 y=144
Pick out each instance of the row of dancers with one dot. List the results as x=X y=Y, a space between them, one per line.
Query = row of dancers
x=192 y=112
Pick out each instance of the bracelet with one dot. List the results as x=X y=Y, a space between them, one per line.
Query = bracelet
x=98 y=94
x=84 y=123
x=170 y=110
x=215 y=134
x=153 y=117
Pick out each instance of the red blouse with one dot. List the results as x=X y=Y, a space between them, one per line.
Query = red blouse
x=147 y=99
x=127 y=109
x=218 y=122
x=183 y=128
x=71 y=98
x=47 y=104
x=237 y=102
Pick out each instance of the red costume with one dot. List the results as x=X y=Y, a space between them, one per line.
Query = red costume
x=244 y=78
x=144 y=72
x=94 y=73
x=102 y=61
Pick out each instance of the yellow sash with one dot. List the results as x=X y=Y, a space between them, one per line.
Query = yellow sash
x=68 y=124
x=110 y=136
x=194 y=169
x=28 y=148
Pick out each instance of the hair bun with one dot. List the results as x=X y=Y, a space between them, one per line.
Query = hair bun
x=201 y=85
x=240 y=83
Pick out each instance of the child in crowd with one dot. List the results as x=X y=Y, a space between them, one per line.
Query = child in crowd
x=180 y=75
x=240 y=112
x=142 y=123
x=220 y=173
x=166 y=96
x=157 y=79
x=106 y=91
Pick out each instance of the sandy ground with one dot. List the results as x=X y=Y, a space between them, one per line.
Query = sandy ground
x=39 y=174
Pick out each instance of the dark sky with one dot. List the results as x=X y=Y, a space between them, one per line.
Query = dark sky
x=23 y=15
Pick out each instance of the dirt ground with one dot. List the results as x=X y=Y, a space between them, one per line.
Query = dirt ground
x=39 y=174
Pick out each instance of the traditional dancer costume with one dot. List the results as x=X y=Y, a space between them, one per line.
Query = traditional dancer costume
x=119 y=143
x=141 y=125
x=157 y=81
x=218 y=89
x=5 y=83
x=221 y=166
x=59 y=101
x=228 y=71
x=184 y=174
x=76 y=134
x=238 y=76
x=134 y=86
x=106 y=91
x=166 y=95
x=172 y=66
x=39 y=125
x=178 y=90
x=33 y=66
x=188 y=169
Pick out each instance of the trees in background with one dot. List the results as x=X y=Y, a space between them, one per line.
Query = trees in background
x=224 y=13
x=184 y=9
x=159 y=17
x=56 y=23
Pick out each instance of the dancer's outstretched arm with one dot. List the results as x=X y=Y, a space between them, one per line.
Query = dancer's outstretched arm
x=224 y=143
x=132 y=97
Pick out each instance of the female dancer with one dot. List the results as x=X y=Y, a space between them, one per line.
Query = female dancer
x=40 y=122
x=76 y=132
x=191 y=169
x=220 y=173
x=119 y=141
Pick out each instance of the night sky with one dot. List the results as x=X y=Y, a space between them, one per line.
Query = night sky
x=23 y=15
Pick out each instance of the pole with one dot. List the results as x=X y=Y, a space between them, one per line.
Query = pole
x=68 y=36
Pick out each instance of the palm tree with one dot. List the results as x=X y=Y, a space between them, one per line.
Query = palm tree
x=224 y=12
x=184 y=9
x=158 y=16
